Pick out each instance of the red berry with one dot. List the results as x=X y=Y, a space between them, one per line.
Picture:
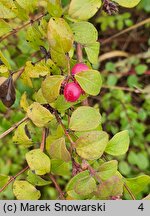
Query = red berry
x=79 y=67
x=72 y=92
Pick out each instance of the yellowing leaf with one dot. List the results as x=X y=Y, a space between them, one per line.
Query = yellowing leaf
x=21 y=136
x=39 y=115
x=6 y=7
x=58 y=150
x=4 y=27
x=84 y=9
x=23 y=102
x=60 y=36
x=84 y=119
x=51 y=87
x=91 y=145
x=23 y=190
x=38 y=161
x=38 y=96
x=127 y=3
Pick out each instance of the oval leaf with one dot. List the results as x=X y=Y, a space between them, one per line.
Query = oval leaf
x=84 y=32
x=108 y=169
x=36 y=180
x=85 y=186
x=60 y=36
x=84 y=9
x=23 y=190
x=90 y=81
x=85 y=118
x=39 y=115
x=51 y=87
x=119 y=144
x=91 y=145
x=38 y=162
x=127 y=3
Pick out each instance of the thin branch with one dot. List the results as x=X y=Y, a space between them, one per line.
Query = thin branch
x=79 y=52
x=43 y=139
x=61 y=194
x=13 y=178
x=129 y=191
x=14 y=31
x=126 y=30
x=137 y=91
x=13 y=127
x=65 y=131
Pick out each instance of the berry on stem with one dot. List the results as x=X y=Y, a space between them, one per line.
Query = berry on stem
x=79 y=67
x=72 y=92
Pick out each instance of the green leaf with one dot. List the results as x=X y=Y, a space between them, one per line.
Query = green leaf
x=124 y=168
x=90 y=81
x=127 y=3
x=141 y=69
x=84 y=32
x=119 y=144
x=21 y=137
x=71 y=184
x=91 y=145
x=137 y=184
x=84 y=119
x=84 y=9
x=58 y=150
x=4 y=27
x=112 y=187
x=54 y=8
x=107 y=169
x=51 y=87
x=92 y=51
x=36 y=180
x=60 y=167
x=23 y=190
x=39 y=115
x=38 y=162
x=3 y=180
x=85 y=186
x=60 y=36
x=6 y=11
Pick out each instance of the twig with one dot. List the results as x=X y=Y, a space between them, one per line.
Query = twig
x=79 y=52
x=129 y=191
x=13 y=127
x=137 y=91
x=43 y=139
x=14 y=31
x=126 y=30
x=13 y=178
x=61 y=194
x=65 y=131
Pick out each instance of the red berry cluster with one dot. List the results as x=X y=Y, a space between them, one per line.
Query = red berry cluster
x=72 y=90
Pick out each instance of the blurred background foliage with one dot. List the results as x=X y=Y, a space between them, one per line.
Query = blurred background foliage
x=121 y=109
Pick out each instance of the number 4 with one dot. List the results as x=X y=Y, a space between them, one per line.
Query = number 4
x=141 y=207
